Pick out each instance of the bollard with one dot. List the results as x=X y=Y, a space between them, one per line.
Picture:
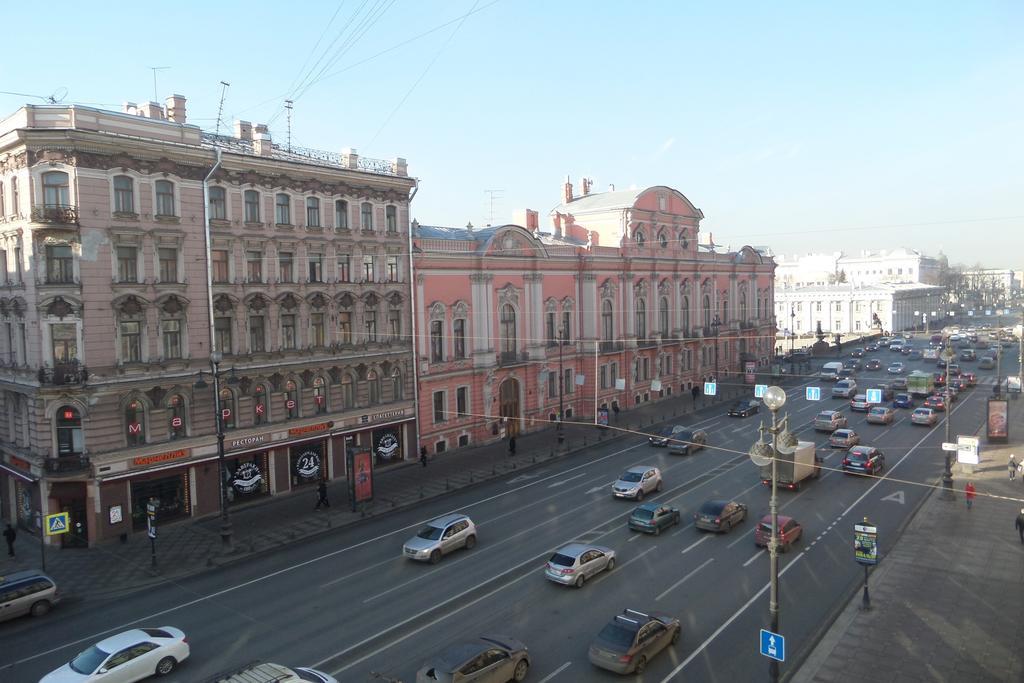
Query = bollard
x=513 y=464
x=533 y=458
x=584 y=442
x=494 y=470
x=421 y=493
x=470 y=477
x=447 y=486
x=551 y=453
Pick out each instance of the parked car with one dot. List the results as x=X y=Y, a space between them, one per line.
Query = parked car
x=573 y=564
x=935 y=402
x=631 y=639
x=744 y=407
x=903 y=401
x=719 y=515
x=864 y=459
x=688 y=441
x=843 y=438
x=488 y=659
x=844 y=388
x=662 y=436
x=790 y=532
x=439 y=537
x=636 y=482
x=859 y=403
x=895 y=368
x=651 y=518
x=130 y=656
x=873 y=364
x=857 y=353
x=924 y=416
x=829 y=421
x=27 y=592
x=881 y=415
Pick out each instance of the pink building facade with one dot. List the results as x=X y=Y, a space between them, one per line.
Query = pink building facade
x=618 y=306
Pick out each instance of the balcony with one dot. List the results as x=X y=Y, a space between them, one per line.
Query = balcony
x=57 y=215
x=611 y=346
x=646 y=343
x=507 y=358
x=64 y=374
x=67 y=464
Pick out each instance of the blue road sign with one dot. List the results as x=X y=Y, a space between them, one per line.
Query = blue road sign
x=773 y=645
x=710 y=388
x=57 y=524
x=813 y=393
x=759 y=390
x=874 y=395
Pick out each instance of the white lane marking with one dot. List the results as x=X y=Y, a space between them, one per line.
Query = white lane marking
x=521 y=477
x=758 y=554
x=416 y=579
x=738 y=429
x=555 y=673
x=602 y=487
x=811 y=404
x=566 y=481
x=633 y=538
x=896 y=497
x=680 y=581
x=721 y=628
x=742 y=536
x=695 y=544
x=635 y=558
x=682 y=529
x=348 y=576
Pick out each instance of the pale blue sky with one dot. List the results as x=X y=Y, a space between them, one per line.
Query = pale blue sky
x=801 y=126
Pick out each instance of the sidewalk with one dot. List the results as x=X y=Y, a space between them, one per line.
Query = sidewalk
x=946 y=602
x=193 y=546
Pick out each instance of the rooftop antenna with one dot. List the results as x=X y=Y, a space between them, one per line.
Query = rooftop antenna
x=154 y=69
x=58 y=95
x=288 y=106
x=491 y=196
x=220 y=108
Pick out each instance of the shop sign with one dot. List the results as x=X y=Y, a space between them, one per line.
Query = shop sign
x=23 y=464
x=385 y=445
x=376 y=417
x=247 y=478
x=307 y=465
x=160 y=457
x=310 y=429
x=177 y=422
x=247 y=441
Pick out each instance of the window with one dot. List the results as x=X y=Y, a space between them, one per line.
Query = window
x=291 y=400
x=662 y=240
x=368 y=268
x=391 y=219
x=663 y=316
x=614 y=374
x=397 y=387
x=135 y=422
x=221 y=269
x=641 y=319
x=64 y=339
x=607 y=321
x=839 y=306
x=508 y=329
x=69 y=432
x=288 y=331
x=170 y=330
x=316 y=267
x=344 y=327
x=312 y=212
x=341 y=214
x=348 y=391
x=395 y=324
x=319 y=395
x=459 y=338
x=366 y=216
x=164 y=198
x=817 y=305
x=370 y=323
x=684 y=316
x=56 y=193
x=392 y=269
x=344 y=271
x=3 y=203
x=227 y=408
x=552 y=384
x=252 y=206
x=436 y=341
x=257 y=334
x=640 y=239
x=462 y=401
x=286 y=272
x=127 y=264
x=222 y=335
x=316 y=330
x=218 y=203
x=566 y=326
x=254 y=266
x=259 y=405
x=549 y=328
x=168 y=263
x=707 y=312
x=124 y=194
x=373 y=387
x=15 y=206
x=283 y=209
x=568 y=385
x=439 y=411
x=131 y=341
x=176 y=428
x=59 y=264
x=604 y=376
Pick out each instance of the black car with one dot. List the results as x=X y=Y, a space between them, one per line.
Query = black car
x=940 y=362
x=853 y=364
x=871 y=348
x=661 y=437
x=719 y=515
x=874 y=364
x=857 y=353
x=688 y=441
x=744 y=407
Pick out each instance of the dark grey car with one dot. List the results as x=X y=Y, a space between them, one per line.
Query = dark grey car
x=488 y=659
x=631 y=639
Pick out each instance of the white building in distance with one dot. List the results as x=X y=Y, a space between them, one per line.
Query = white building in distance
x=868 y=267
x=851 y=309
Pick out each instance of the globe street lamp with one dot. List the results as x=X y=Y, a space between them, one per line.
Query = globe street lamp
x=947 y=473
x=774 y=398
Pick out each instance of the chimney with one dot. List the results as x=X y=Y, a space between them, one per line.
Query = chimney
x=567 y=191
x=527 y=218
x=243 y=130
x=556 y=221
x=129 y=108
x=152 y=110
x=175 y=108
x=261 y=142
x=586 y=183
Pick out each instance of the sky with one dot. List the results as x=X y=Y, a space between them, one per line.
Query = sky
x=797 y=126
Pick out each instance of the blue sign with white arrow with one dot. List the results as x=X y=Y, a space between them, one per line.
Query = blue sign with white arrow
x=710 y=388
x=874 y=395
x=759 y=390
x=773 y=645
x=813 y=393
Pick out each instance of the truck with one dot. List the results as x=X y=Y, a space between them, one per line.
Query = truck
x=920 y=383
x=795 y=464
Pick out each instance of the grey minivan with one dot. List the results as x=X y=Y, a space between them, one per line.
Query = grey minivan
x=26 y=592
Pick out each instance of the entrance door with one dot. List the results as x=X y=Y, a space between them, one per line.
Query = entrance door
x=78 y=536
x=509 y=405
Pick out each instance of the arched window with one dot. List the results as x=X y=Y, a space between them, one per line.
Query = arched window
x=340 y=214
x=260 y=408
x=707 y=311
x=176 y=426
x=320 y=395
x=641 y=239
x=683 y=242
x=641 y=319
x=252 y=206
x=135 y=422
x=743 y=305
x=685 y=315
x=366 y=216
x=165 y=198
x=312 y=212
x=348 y=391
x=291 y=400
x=607 y=321
x=124 y=194
x=69 y=432
x=663 y=315
x=663 y=240
x=56 y=190
x=227 y=408
x=508 y=330
x=373 y=387
x=283 y=209
x=725 y=310
x=397 y=387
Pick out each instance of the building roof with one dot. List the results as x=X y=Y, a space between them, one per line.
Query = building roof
x=601 y=201
x=440 y=232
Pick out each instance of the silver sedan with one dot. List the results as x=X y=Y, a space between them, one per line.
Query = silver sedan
x=573 y=564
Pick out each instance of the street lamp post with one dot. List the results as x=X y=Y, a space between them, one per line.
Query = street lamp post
x=947 y=473
x=715 y=324
x=226 y=531
x=774 y=399
x=792 y=339
x=561 y=389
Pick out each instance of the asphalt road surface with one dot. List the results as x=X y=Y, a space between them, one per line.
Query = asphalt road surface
x=348 y=602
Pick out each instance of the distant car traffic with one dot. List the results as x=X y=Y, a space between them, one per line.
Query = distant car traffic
x=864 y=459
x=845 y=373
x=857 y=353
x=488 y=659
x=924 y=416
x=968 y=355
x=844 y=388
x=719 y=515
x=895 y=368
x=873 y=364
x=970 y=378
x=631 y=639
x=663 y=436
x=935 y=402
x=688 y=441
x=903 y=401
x=853 y=364
x=829 y=421
x=651 y=518
x=915 y=355
x=573 y=564
x=871 y=348
x=744 y=407
x=127 y=657
x=881 y=415
x=790 y=532
x=859 y=403
x=441 y=536
x=636 y=482
x=843 y=438
x=898 y=384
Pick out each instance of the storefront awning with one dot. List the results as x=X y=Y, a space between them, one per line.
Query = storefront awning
x=24 y=476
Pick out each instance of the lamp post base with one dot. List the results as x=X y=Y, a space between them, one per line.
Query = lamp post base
x=227 y=545
x=947 y=487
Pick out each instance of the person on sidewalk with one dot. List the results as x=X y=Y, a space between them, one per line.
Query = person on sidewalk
x=423 y=455
x=969 y=494
x=1013 y=466
x=321 y=492
x=9 y=535
x=1020 y=525
x=511 y=446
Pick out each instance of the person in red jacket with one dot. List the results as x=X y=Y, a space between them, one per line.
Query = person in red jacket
x=969 y=494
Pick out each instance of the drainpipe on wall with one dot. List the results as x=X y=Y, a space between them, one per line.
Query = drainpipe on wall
x=412 y=328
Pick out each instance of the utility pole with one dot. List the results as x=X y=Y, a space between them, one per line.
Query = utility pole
x=561 y=388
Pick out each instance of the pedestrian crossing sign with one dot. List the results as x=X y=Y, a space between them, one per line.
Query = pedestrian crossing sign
x=57 y=524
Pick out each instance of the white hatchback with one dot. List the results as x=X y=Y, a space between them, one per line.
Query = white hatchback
x=636 y=482
x=127 y=657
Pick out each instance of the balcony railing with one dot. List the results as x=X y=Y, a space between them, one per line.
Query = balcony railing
x=611 y=346
x=646 y=343
x=67 y=464
x=64 y=374
x=63 y=215
x=506 y=358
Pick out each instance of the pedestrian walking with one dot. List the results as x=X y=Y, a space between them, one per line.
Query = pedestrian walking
x=423 y=455
x=321 y=492
x=969 y=494
x=1013 y=466
x=511 y=446
x=1020 y=525
x=10 y=534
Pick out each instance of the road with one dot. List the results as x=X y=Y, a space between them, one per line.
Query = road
x=349 y=604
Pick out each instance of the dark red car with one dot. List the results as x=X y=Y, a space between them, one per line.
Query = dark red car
x=789 y=532
x=935 y=402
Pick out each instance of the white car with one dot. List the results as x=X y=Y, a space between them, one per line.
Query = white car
x=130 y=656
x=636 y=482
